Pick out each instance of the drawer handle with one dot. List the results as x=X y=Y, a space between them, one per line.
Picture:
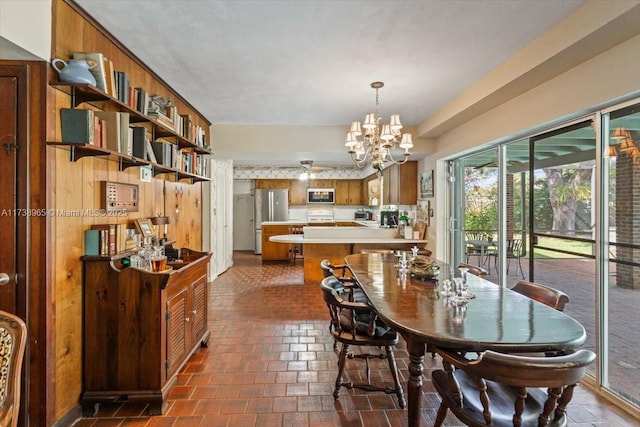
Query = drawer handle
x=186 y=319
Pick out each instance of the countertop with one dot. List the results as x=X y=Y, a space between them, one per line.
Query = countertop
x=372 y=224
x=299 y=238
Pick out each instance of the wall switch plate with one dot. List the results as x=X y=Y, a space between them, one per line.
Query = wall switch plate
x=145 y=173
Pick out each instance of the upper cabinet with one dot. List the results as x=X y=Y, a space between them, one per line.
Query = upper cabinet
x=349 y=192
x=321 y=183
x=297 y=192
x=272 y=184
x=400 y=184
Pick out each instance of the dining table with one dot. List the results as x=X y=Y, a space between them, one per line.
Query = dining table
x=422 y=312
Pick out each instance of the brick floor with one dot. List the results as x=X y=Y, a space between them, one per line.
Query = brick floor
x=270 y=362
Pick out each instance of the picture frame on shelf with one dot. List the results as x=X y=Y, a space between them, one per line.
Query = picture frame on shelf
x=145 y=227
x=426 y=184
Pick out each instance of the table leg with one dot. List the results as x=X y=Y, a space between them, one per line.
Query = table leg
x=414 y=393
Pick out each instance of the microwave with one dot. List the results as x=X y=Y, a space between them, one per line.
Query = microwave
x=321 y=195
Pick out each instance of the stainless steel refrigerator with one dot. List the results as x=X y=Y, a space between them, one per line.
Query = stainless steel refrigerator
x=271 y=205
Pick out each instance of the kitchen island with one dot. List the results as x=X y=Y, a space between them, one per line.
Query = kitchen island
x=334 y=243
x=277 y=252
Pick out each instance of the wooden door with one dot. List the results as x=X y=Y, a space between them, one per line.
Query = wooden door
x=9 y=210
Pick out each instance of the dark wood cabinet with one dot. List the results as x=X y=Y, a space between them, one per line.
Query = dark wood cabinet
x=139 y=328
x=348 y=192
x=400 y=184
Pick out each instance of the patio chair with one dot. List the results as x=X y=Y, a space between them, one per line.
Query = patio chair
x=515 y=251
x=479 y=244
x=356 y=324
x=508 y=390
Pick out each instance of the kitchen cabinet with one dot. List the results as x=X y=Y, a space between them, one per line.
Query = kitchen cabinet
x=297 y=192
x=321 y=183
x=272 y=184
x=140 y=327
x=400 y=184
x=348 y=192
x=272 y=251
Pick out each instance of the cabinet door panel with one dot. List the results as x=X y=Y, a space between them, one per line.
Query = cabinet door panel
x=342 y=192
x=355 y=192
x=297 y=192
x=177 y=345
x=199 y=308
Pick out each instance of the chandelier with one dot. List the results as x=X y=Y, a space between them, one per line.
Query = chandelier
x=377 y=142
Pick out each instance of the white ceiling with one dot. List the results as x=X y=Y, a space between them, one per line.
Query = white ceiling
x=310 y=62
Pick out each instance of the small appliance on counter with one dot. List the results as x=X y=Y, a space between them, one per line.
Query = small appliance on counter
x=388 y=218
x=362 y=215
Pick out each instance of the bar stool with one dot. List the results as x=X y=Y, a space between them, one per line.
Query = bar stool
x=295 y=249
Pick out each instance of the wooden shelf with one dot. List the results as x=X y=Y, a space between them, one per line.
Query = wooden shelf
x=85 y=93
x=78 y=151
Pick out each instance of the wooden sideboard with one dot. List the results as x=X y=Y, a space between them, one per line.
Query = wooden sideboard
x=140 y=328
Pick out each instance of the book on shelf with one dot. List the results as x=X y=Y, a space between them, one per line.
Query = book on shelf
x=163 y=152
x=139 y=141
x=96 y=67
x=150 y=153
x=162 y=119
x=142 y=101
x=92 y=242
x=111 y=82
x=122 y=86
x=77 y=125
x=97 y=131
x=117 y=131
x=107 y=238
x=121 y=238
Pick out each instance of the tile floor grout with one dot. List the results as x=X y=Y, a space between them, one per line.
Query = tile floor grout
x=270 y=362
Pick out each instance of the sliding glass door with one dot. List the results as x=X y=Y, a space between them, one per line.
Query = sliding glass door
x=563 y=219
x=620 y=288
x=570 y=198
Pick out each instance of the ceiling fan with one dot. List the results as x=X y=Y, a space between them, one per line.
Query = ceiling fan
x=309 y=171
x=308 y=166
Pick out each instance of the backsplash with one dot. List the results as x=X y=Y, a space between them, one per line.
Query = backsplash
x=261 y=172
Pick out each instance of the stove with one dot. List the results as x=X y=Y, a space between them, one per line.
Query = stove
x=316 y=216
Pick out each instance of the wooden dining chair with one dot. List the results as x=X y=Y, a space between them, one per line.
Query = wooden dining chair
x=549 y=296
x=342 y=272
x=13 y=339
x=473 y=269
x=508 y=390
x=356 y=324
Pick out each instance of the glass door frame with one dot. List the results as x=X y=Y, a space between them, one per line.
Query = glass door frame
x=600 y=120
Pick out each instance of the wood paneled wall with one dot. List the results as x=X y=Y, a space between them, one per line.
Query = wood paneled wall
x=75 y=187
